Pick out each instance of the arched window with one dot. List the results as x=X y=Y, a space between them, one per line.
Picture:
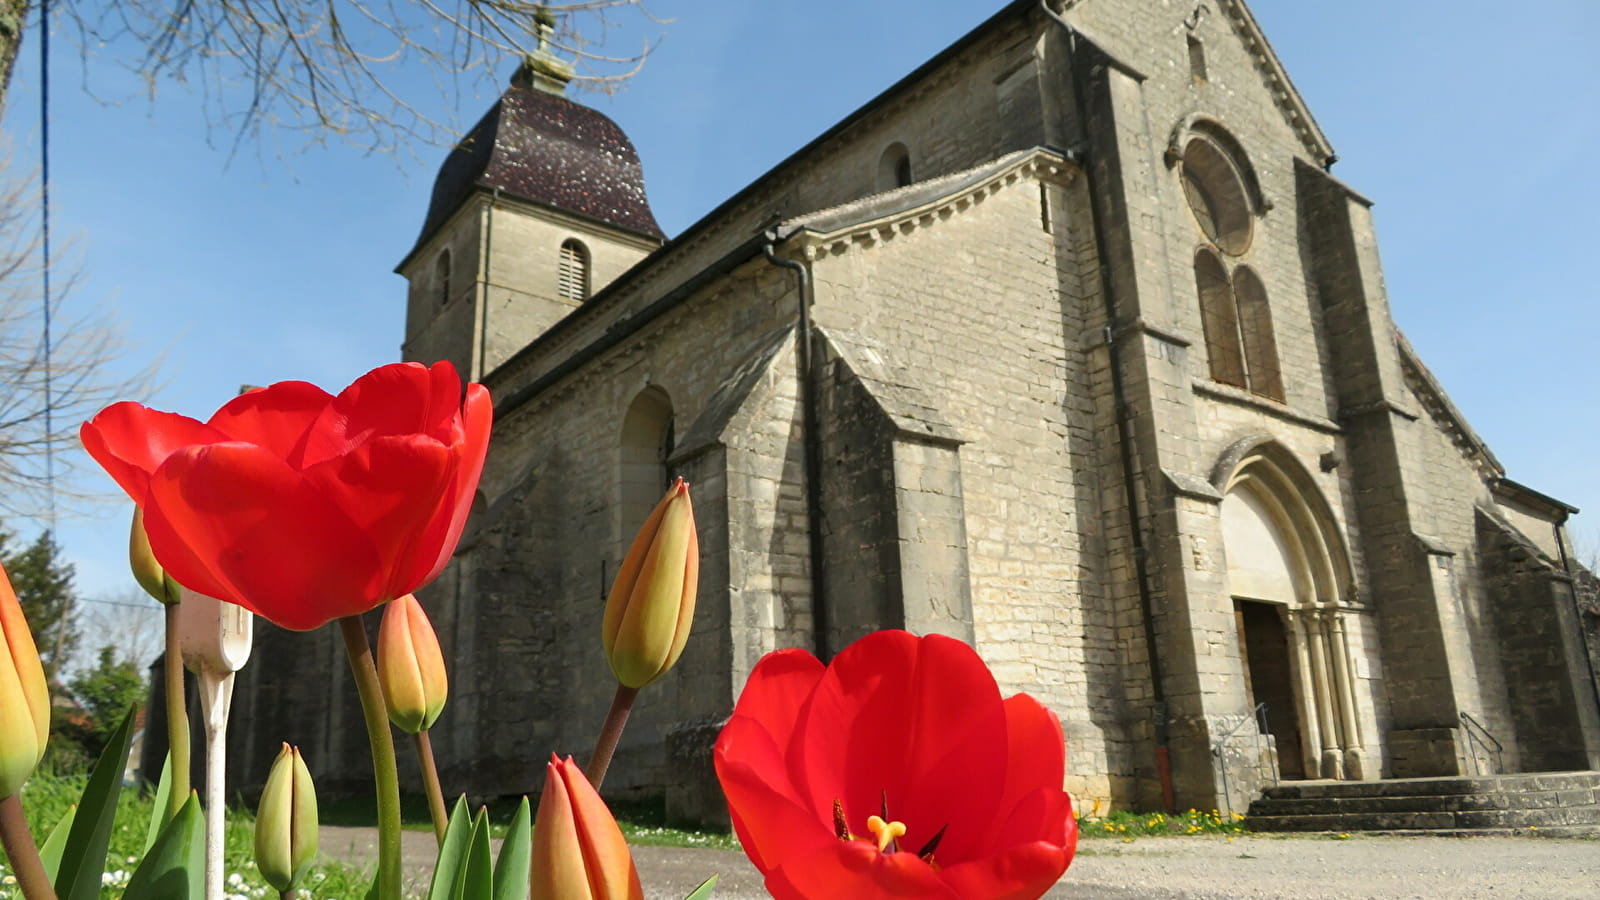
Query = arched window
x=1219 y=317
x=441 y=276
x=646 y=443
x=572 y=277
x=894 y=167
x=1217 y=195
x=1255 y=332
x=1234 y=312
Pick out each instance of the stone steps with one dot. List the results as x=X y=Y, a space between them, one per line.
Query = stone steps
x=1562 y=802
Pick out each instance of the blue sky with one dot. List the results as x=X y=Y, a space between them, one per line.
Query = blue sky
x=1466 y=122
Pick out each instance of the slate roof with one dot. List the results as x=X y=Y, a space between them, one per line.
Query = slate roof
x=546 y=149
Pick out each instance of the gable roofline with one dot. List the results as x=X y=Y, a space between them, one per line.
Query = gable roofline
x=888 y=211
x=1287 y=97
x=1443 y=409
x=1518 y=492
x=885 y=210
x=718 y=215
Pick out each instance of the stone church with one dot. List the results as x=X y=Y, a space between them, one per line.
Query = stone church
x=1068 y=344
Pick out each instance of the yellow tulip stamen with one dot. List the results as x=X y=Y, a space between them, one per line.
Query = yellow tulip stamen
x=885 y=832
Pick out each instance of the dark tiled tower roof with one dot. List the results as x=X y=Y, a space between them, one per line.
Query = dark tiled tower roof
x=541 y=147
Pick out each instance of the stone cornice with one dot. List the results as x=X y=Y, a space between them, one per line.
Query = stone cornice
x=1240 y=397
x=1440 y=409
x=1289 y=101
x=865 y=223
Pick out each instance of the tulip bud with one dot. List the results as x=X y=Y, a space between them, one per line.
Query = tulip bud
x=651 y=605
x=24 y=696
x=149 y=573
x=410 y=666
x=578 y=850
x=286 y=822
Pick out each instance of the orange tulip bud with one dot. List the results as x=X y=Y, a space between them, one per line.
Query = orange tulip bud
x=410 y=666
x=149 y=573
x=651 y=605
x=24 y=696
x=578 y=850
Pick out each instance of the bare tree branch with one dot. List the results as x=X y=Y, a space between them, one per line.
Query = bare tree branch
x=72 y=382
x=321 y=68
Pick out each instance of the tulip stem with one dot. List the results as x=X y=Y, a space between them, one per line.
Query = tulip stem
x=385 y=773
x=430 y=779
x=22 y=852
x=289 y=894
x=605 y=746
x=177 y=717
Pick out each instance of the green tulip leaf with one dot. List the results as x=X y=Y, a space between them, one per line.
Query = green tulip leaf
x=704 y=890
x=477 y=877
x=50 y=853
x=83 y=860
x=175 y=866
x=511 y=870
x=158 y=812
x=448 y=871
x=372 y=892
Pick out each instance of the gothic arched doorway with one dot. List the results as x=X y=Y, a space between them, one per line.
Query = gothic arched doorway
x=1289 y=580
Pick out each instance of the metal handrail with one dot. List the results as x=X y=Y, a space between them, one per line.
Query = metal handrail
x=1476 y=731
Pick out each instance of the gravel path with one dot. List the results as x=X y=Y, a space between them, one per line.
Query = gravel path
x=1191 y=868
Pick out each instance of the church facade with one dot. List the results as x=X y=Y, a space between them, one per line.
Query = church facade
x=1068 y=345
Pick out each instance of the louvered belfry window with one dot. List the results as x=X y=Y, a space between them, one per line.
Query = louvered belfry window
x=572 y=278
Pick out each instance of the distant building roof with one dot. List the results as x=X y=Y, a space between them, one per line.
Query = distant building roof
x=537 y=146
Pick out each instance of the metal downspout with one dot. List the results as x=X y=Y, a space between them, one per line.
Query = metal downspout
x=1124 y=417
x=811 y=449
x=481 y=353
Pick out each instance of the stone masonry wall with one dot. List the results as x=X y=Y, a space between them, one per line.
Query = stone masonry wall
x=976 y=303
x=532 y=584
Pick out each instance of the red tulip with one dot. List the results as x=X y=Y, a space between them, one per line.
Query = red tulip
x=897 y=771
x=300 y=506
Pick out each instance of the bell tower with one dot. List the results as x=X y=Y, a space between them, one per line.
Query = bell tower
x=537 y=209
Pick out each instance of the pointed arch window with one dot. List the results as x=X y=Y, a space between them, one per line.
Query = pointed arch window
x=1219 y=318
x=572 y=275
x=1255 y=333
x=1240 y=345
x=1234 y=313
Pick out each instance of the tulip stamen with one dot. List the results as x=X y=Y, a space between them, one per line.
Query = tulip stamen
x=841 y=828
x=926 y=853
x=886 y=832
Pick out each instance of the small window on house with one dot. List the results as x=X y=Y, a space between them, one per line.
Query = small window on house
x=572 y=277
x=1197 y=58
x=441 y=276
x=894 y=167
